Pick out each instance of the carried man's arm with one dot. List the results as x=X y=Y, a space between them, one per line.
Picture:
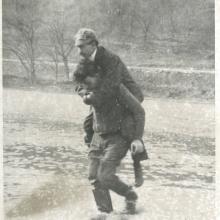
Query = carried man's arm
x=134 y=106
x=115 y=72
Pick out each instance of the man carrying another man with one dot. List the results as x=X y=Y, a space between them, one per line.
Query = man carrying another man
x=108 y=139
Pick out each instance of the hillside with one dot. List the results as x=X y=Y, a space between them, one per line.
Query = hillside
x=138 y=30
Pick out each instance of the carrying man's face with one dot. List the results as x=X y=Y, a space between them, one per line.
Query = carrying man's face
x=92 y=82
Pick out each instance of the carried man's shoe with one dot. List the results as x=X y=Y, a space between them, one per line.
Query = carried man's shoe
x=131 y=200
x=138 y=173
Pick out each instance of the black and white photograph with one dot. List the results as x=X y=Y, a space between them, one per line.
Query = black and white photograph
x=108 y=110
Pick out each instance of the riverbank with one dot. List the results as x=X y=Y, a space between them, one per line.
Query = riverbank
x=155 y=82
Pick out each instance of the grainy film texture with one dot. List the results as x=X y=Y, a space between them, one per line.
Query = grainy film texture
x=168 y=47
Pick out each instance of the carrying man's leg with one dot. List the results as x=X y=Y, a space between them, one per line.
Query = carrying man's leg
x=114 y=150
x=101 y=195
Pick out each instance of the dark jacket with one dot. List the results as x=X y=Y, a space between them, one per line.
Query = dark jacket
x=114 y=72
x=112 y=116
x=133 y=120
x=105 y=117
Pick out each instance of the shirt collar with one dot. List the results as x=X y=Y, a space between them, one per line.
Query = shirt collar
x=92 y=57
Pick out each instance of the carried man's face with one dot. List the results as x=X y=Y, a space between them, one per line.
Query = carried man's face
x=86 y=50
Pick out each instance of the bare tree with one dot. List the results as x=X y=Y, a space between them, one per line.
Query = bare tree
x=61 y=43
x=53 y=55
x=143 y=14
x=22 y=39
x=151 y=23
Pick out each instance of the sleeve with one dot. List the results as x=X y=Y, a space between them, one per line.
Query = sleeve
x=112 y=77
x=115 y=72
x=89 y=97
x=92 y=98
x=88 y=128
x=127 y=99
x=130 y=83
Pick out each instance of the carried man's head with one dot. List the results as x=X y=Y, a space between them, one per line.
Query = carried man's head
x=86 y=42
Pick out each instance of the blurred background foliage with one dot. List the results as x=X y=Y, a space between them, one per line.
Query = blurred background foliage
x=143 y=32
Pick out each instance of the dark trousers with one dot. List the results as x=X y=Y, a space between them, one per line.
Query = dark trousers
x=105 y=155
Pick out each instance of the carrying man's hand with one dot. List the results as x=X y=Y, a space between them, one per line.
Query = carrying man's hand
x=137 y=146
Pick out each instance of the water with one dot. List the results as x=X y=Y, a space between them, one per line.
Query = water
x=45 y=160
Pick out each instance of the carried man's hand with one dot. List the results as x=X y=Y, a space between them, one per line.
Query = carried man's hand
x=137 y=146
x=88 y=98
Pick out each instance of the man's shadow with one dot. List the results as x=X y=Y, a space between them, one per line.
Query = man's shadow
x=57 y=192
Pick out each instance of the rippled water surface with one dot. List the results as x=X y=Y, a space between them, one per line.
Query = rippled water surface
x=44 y=155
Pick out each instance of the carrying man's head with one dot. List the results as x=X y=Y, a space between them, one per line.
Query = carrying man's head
x=87 y=74
x=86 y=42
